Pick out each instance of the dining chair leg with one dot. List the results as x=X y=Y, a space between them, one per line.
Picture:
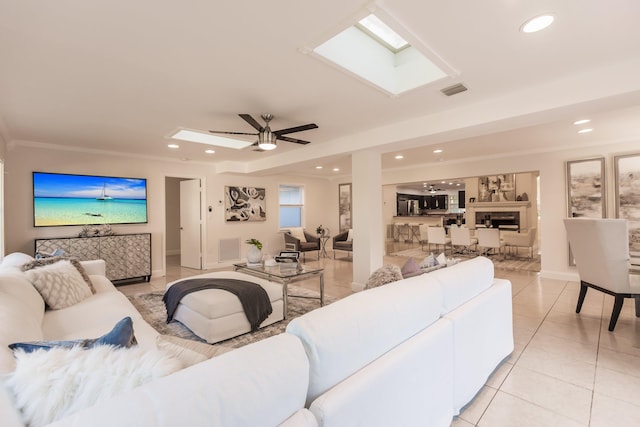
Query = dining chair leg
x=617 y=307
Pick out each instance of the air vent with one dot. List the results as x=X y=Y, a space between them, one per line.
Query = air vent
x=452 y=90
x=229 y=250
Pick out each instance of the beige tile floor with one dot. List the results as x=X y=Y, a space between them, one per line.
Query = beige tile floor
x=567 y=369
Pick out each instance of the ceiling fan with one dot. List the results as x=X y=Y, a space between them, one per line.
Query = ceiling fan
x=432 y=189
x=266 y=137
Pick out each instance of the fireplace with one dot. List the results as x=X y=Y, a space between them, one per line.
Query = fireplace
x=504 y=220
x=504 y=215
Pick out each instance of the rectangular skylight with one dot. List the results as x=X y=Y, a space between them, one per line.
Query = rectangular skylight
x=371 y=50
x=383 y=33
x=209 y=139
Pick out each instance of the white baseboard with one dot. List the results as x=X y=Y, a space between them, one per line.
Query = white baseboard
x=173 y=252
x=560 y=275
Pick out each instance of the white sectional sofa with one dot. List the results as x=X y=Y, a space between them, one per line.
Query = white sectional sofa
x=412 y=352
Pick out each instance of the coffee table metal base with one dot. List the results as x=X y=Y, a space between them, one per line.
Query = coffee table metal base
x=285 y=275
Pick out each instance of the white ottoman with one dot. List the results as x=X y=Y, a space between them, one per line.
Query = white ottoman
x=216 y=315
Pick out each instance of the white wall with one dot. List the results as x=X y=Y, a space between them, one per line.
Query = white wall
x=321 y=203
x=553 y=204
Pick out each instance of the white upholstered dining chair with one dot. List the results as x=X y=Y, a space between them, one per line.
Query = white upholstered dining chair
x=600 y=248
x=424 y=236
x=489 y=240
x=525 y=239
x=438 y=236
x=461 y=239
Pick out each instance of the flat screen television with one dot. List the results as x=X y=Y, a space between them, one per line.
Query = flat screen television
x=64 y=199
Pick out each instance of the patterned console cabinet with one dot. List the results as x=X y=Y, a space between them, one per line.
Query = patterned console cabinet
x=128 y=256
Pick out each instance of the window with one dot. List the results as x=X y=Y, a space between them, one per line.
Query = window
x=291 y=205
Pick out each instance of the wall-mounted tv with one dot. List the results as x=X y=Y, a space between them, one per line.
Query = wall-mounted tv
x=64 y=199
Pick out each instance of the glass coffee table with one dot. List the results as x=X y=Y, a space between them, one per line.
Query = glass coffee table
x=285 y=275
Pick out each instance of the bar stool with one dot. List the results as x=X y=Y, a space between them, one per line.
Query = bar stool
x=415 y=232
x=404 y=231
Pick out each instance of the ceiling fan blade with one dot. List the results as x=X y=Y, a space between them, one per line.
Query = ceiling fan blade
x=297 y=141
x=232 y=133
x=247 y=118
x=296 y=129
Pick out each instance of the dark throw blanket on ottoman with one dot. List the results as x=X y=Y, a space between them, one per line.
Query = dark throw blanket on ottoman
x=255 y=300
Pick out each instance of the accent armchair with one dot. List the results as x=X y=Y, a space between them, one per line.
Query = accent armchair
x=295 y=243
x=600 y=248
x=340 y=243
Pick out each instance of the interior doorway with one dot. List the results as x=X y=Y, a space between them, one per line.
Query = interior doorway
x=183 y=222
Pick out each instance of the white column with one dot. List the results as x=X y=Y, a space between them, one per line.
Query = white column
x=368 y=238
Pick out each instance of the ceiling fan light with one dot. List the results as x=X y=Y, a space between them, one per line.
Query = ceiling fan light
x=266 y=140
x=267 y=146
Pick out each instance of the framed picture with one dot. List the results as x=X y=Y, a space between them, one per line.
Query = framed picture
x=344 y=207
x=245 y=204
x=586 y=195
x=497 y=188
x=627 y=176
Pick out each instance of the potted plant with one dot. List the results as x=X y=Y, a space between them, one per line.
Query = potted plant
x=254 y=256
x=320 y=230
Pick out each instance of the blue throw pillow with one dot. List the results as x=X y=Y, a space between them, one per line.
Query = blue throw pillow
x=120 y=336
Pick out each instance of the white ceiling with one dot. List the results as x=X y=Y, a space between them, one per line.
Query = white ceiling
x=122 y=75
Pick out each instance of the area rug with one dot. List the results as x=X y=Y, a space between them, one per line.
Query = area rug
x=509 y=263
x=152 y=309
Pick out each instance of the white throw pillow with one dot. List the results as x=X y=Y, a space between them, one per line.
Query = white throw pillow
x=298 y=233
x=350 y=235
x=50 y=385
x=60 y=284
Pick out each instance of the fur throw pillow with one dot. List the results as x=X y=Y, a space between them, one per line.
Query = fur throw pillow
x=386 y=274
x=50 y=385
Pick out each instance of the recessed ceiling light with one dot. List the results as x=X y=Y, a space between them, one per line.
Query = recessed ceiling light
x=451 y=183
x=585 y=130
x=209 y=151
x=536 y=24
x=318 y=167
x=437 y=151
x=442 y=182
x=207 y=138
x=173 y=146
x=581 y=122
x=399 y=156
x=336 y=169
x=458 y=185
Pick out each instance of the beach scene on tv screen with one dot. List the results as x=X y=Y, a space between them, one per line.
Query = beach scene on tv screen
x=88 y=200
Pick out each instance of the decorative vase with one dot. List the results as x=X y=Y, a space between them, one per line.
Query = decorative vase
x=254 y=256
